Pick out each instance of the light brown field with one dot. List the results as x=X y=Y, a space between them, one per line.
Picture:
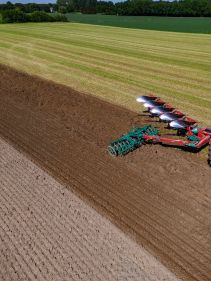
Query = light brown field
x=47 y=233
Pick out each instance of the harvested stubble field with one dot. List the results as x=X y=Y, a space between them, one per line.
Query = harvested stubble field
x=115 y=64
x=159 y=196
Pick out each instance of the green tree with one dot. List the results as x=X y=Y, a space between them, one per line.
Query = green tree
x=65 y=6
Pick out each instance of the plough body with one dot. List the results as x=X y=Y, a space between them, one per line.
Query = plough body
x=194 y=137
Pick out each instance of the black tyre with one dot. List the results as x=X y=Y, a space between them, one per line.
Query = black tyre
x=209 y=155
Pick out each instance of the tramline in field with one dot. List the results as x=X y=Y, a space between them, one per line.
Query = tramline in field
x=194 y=137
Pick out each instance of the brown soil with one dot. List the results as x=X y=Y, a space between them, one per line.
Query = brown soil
x=49 y=234
x=160 y=196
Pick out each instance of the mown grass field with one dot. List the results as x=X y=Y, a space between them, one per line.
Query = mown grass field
x=115 y=64
x=178 y=24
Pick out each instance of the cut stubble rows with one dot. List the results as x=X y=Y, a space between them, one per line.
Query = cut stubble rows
x=116 y=64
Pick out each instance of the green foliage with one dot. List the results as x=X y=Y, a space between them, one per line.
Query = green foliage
x=17 y=16
x=63 y=9
x=107 y=8
x=59 y=17
x=187 y=8
x=10 y=16
x=84 y=6
x=40 y=16
x=29 y=7
x=66 y=6
x=178 y=24
x=88 y=6
x=7 y=6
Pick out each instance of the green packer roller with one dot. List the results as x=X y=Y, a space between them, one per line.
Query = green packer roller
x=131 y=141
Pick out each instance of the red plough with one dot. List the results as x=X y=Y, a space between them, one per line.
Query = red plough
x=194 y=137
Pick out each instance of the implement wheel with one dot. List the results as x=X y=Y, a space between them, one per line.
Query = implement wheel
x=111 y=150
x=209 y=155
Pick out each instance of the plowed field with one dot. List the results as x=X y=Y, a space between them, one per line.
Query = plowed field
x=159 y=196
x=47 y=233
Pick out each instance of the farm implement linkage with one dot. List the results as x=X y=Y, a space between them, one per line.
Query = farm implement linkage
x=192 y=138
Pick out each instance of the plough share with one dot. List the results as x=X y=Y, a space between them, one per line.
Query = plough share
x=194 y=137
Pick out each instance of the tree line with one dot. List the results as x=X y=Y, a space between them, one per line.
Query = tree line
x=17 y=13
x=181 y=8
x=185 y=8
x=29 y=7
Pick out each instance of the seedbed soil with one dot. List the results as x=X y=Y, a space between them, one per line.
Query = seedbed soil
x=159 y=196
x=48 y=233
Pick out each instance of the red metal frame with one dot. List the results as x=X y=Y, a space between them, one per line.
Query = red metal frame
x=203 y=136
x=198 y=140
x=189 y=120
